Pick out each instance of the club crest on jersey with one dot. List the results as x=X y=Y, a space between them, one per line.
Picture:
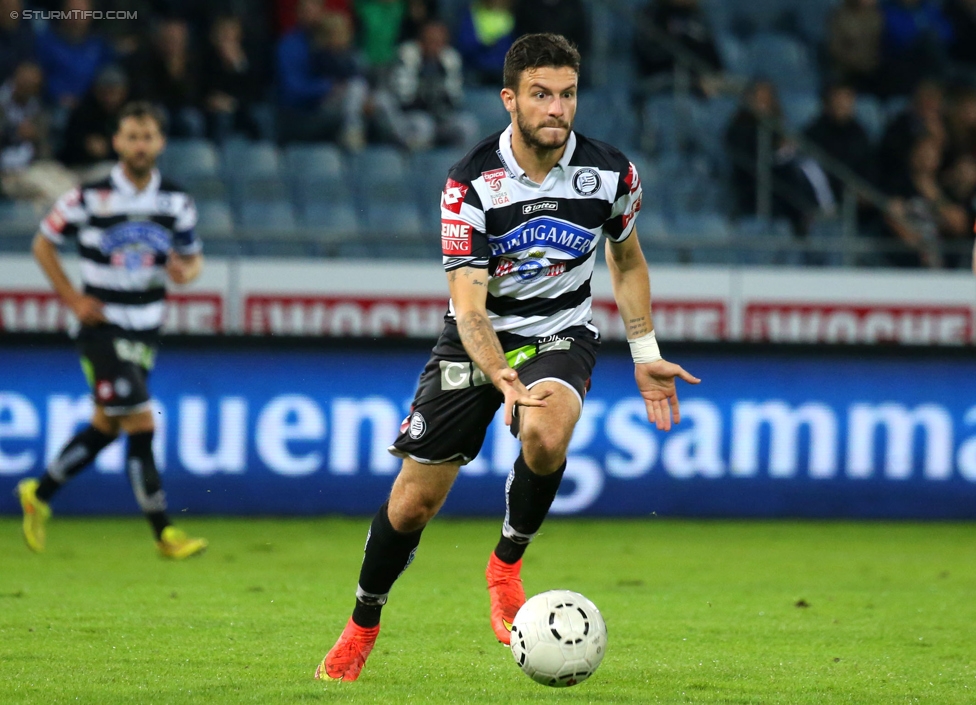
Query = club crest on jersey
x=586 y=181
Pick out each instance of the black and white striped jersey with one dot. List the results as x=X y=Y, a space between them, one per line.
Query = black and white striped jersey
x=538 y=241
x=124 y=237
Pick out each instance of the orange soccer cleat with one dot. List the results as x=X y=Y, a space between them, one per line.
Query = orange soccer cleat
x=506 y=593
x=346 y=659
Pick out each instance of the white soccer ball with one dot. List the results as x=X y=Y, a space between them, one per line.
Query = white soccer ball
x=559 y=638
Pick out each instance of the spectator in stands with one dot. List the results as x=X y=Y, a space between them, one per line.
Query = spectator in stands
x=286 y=12
x=840 y=135
x=428 y=83
x=961 y=123
x=26 y=169
x=916 y=40
x=485 y=32
x=168 y=77
x=16 y=39
x=322 y=90
x=962 y=16
x=71 y=55
x=854 y=44
x=88 y=137
x=380 y=22
x=418 y=14
x=686 y=23
x=924 y=117
x=565 y=17
x=922 y=213
x=799 y=187
x=230 y=84
x=959 y=184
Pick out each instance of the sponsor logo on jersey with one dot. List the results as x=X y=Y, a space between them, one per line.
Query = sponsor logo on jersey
x=530 y=208
x=454 y=193
x=104 y=390
x=134 y=245
x=633 y=179
x=494 y=178
x=586 y=181
x=55 y=221
x=456 y=237
x=528 y=269
x=543 y=232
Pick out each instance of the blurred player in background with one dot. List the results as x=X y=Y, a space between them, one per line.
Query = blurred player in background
x=133 y=230
x=522 y=216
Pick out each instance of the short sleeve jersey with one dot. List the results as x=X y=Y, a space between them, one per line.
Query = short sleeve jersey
x=124 y=237
x=538 y=241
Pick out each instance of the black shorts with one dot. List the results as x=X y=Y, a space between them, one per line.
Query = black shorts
x=117 y=363
x=455 y=402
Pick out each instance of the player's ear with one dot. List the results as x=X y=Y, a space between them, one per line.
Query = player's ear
x=508 y=99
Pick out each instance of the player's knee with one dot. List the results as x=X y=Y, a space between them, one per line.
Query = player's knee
x=413 y=510
x=544 y=452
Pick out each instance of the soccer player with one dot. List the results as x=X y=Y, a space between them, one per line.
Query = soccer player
x=522 y=215
x=133 y=229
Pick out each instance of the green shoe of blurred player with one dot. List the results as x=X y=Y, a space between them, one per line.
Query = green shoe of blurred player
x=177 y=545
x=36 y=514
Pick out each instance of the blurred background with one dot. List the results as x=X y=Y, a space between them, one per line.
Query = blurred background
x=809 y=173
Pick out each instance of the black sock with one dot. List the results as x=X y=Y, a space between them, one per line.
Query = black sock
x=146 y=484
x=527 y=498
x=388 y=553
x=76 y=456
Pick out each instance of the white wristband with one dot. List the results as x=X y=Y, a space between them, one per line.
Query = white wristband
x=645 y=349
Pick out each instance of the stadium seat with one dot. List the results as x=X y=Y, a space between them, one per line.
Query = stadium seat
x=392 y=218
x=244 y=160
x=706 y=237
x=777 y=232
x=734 y=55
x=214 y=220
x=870 y=114
x=381 y=174
x=19 y=215
x=276 y=216
x=191 y=159
x=800 y=108
x=486 y=105
x=329 y=221
x=783 y=60
x=317 y=173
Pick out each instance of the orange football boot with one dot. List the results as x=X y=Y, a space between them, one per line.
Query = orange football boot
x=507 y=595
x=346 y=659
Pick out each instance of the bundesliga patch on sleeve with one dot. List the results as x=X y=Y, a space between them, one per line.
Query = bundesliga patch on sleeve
x=456 y=237
x=454 y=193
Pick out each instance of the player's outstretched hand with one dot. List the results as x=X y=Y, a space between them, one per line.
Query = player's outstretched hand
x=87 y=309
x=655 y=381
x=516 y=394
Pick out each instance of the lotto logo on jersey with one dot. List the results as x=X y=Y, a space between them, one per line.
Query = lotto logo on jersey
x=455 y=238
x=453 y=198
x=55 y=221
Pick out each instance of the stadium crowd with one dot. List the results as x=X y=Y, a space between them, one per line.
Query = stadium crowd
x=886 y=88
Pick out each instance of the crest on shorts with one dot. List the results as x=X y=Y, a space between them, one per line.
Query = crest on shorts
x=418 y=425
x=586 y=181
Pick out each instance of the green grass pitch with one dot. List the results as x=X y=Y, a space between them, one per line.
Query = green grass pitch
x=698 y=612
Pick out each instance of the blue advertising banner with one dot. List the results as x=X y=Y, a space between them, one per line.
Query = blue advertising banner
x=263 y=430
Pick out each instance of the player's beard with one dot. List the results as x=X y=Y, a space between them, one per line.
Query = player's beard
x=531 y=135
x=139 y=167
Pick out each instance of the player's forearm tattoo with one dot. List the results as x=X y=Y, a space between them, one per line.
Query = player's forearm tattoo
x=481 y=342
x=636 y=327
